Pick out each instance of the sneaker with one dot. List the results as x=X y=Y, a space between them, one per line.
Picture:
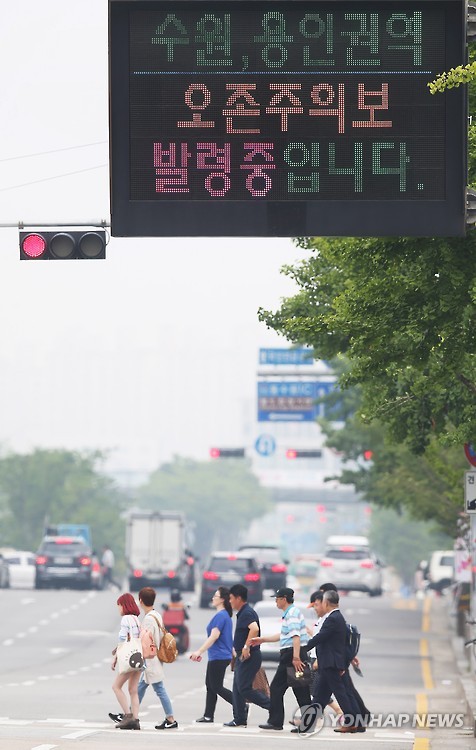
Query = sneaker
x=116 y=717
x=203 y=720
x=233 y=723
x=167 y=725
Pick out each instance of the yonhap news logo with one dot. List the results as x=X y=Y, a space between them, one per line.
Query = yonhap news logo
x=310 y=720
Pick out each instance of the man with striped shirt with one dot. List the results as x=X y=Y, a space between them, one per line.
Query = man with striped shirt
x=292 y=640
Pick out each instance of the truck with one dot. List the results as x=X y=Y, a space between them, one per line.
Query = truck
x=156 y=551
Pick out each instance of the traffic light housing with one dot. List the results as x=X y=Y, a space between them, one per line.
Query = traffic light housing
x=227 y=452
x=62 y=244
x=303 y=453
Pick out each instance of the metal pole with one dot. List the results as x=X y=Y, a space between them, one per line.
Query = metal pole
x=71 y=224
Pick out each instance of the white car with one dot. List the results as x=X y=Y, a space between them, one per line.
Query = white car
x=21 y=569
x=270 y=622
x=441 y=569
x=350 y=566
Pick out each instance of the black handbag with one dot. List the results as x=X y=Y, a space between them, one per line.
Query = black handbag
x=300 y=679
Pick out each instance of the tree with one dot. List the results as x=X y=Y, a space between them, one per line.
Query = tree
x=58 y=486
x=219 y=498
x=402 y=310
x=422 y=487
x=405 y=542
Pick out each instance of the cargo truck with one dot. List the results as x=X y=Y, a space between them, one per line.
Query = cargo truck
x=156 y=551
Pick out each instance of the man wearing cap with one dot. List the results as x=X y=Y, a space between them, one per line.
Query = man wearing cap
x=293 y=639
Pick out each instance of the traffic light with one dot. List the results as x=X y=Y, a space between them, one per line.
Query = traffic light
x=227 y=452
x=368 y=455
x=62 y=244
x=304 y=453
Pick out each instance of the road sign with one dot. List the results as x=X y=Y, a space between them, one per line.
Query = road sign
x=470 y=491
x=291 y=400
x=286 y=356
x=265 y=445
x=470 y=453
x=296 y=118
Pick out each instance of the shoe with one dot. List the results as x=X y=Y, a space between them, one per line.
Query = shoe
x=128 y=722
x=203 y=720
x=233 y=723
x=347 y=730
x=269 y=726
x=295 y=730
x=116 y=717
x=361 y=729
x=167 y=725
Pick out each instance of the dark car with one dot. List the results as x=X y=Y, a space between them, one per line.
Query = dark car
x=271 y=565
x=64 y=561
x=228 y=568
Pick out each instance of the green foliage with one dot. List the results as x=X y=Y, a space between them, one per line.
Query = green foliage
x=57 y=486
x=402 y=310
x=455 y=77
x=220 y=498
x=404 y=541
x=422 y=487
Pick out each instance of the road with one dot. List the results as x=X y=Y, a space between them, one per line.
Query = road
x=56 y=680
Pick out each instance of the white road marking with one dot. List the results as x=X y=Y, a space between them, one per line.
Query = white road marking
x=77 y=735
x=44 y=747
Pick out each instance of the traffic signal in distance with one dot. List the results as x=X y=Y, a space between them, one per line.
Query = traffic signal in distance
x=62 y=244
x=368 y=455
x=304 y=453
x=227 y=452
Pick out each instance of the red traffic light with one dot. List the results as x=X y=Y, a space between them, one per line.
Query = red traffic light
x=62 y=245
x=33 y=245
x=227 y=452
x=368 y=455
x=304 y=453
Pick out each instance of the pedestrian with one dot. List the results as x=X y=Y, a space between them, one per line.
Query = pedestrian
x=247 y=658
x=330 y=645
x=292 y=641
x=316 y=604
x=154 y=671
x=364 y=713
x=219 y=645
x=108 y=562
x=130 y=628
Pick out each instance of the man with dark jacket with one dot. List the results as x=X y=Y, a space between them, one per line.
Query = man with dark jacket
x=330 y=645
x=248 y=658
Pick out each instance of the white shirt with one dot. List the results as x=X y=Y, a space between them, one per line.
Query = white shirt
x=108 y=558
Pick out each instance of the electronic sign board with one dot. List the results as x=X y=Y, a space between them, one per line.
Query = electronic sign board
x=286 y=118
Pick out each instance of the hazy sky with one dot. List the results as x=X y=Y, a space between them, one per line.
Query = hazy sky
x=150 y=353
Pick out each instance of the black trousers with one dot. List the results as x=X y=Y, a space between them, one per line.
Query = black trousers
x=328 y=681
x=363 y=715
x=279 y=685
x=214 y=677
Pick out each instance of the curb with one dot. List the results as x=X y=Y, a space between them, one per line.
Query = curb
x=467 y=679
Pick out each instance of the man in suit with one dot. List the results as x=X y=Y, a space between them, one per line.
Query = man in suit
x=364 y=713
x=330 y=645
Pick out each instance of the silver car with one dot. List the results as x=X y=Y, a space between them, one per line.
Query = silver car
x=350 y=567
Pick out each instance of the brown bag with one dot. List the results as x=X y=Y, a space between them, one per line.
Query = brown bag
x=260 y=682
x=167 y=651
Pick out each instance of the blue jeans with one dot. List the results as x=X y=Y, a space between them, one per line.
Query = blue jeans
x=161 y=693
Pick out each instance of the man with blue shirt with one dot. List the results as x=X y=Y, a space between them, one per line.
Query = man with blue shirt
x=292 y=639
